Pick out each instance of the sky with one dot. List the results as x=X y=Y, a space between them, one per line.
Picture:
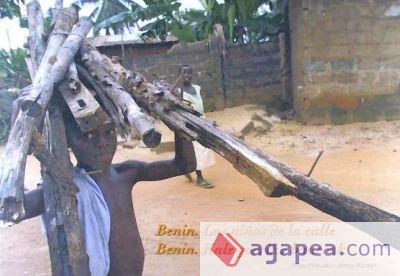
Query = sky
x=12 y=36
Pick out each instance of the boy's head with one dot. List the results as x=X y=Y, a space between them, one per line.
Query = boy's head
x=94 y=150
x=186 y=71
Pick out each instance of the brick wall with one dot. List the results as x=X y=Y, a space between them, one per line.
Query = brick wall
x=247 y=74
x=345 y=60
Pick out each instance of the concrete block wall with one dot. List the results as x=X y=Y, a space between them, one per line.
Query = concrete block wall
x=247 y=74
x=251 y=74
x=345 y=60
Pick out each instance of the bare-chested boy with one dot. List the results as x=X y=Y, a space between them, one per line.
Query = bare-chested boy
x=94 y=152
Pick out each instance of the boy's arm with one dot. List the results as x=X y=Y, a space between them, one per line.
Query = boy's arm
x=33 y=204
x=184 y=162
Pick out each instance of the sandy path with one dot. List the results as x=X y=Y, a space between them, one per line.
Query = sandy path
x=360 y=160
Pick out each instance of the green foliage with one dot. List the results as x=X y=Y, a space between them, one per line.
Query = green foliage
x=163 y=17
x=244 y=21
x=13 y=69
x=112 y=16
x=113 y=22
x=10 y=8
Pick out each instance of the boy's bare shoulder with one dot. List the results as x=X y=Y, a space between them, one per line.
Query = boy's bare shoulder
x=129 y=166
x=130 y=170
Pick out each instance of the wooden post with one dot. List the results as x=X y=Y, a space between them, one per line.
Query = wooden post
x=64 y=237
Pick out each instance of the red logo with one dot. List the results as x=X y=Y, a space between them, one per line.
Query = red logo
x=227 y=249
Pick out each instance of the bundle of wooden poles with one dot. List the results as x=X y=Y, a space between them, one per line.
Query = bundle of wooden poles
x=63 y=64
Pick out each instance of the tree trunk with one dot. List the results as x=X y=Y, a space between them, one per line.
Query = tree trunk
x=273 y=177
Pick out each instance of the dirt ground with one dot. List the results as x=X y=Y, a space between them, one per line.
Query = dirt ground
x=360 y=160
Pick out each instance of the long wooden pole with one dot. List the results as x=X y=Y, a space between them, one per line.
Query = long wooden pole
x=62 y=224
x=273 y=177
x=53 y=213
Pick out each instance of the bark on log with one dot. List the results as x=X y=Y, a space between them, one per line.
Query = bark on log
x=273 y=177
x=141 y=124
x=12 y=171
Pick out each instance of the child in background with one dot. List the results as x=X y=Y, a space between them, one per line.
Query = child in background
x=191 y=93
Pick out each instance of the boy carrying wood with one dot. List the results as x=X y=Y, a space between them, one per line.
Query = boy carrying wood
x=110 y=232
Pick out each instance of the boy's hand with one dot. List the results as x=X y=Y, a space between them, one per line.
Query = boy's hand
x=174 y=90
